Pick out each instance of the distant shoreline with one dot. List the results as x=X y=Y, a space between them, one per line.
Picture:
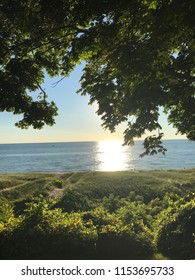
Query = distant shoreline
x=87 y=141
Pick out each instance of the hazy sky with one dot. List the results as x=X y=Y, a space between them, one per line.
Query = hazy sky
x=77 y=121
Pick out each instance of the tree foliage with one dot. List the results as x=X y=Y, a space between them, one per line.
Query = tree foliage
x=139 y=56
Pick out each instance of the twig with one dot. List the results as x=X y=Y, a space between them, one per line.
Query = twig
x=56 y=83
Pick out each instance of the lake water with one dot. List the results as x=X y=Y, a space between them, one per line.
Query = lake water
x=92 y=156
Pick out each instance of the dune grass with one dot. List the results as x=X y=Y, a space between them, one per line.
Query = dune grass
x=14 y=187
x=19 y=187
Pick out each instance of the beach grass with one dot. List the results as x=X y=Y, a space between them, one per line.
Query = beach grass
x=15 y=187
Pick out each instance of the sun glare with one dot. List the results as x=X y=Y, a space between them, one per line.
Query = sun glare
x=111 y=155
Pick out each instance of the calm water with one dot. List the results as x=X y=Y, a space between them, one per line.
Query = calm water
x=100 y=156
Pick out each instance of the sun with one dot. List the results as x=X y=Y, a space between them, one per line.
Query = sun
x=111 y=155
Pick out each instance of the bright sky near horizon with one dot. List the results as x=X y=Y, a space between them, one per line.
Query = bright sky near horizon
x=76 y=120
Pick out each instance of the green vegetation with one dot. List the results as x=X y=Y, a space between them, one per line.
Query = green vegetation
x=139 y=58
x=98 y=215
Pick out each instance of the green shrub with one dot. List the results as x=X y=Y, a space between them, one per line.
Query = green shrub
x=58 y=183
x=49 y=234
x=6 y=212
x=176 y=229
x=124 y=234
x=74 y=200
x=8 y=183
x=99 y=216
x=102 y=215
x=119 y=241
x=112 y=203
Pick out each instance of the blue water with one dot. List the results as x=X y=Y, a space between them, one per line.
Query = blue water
x=86 y=156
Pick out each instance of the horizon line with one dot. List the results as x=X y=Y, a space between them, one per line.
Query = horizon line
x=87 y=141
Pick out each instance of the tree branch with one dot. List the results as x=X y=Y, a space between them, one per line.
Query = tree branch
x=182 y=76
x=43 y=91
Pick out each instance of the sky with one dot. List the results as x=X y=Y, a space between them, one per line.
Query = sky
x=76 y=120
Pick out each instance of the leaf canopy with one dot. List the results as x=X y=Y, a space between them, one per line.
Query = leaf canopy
x=139 y=54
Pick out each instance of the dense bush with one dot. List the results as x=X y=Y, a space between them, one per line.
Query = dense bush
x=74 y=200
x=46 y=233
x=100 y=216
x=176 y=229
x=6 y=213
x=120 y=240
x=123 y=245
x=43 y=233
x=126 y=232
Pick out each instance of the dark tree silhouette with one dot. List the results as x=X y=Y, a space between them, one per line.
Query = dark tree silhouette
x=139 y=54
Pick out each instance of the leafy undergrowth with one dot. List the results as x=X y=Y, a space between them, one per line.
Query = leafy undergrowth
x=101 y=215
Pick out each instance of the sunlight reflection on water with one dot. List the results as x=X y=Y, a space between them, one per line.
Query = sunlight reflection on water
x=113 y=156
x=93 y=156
